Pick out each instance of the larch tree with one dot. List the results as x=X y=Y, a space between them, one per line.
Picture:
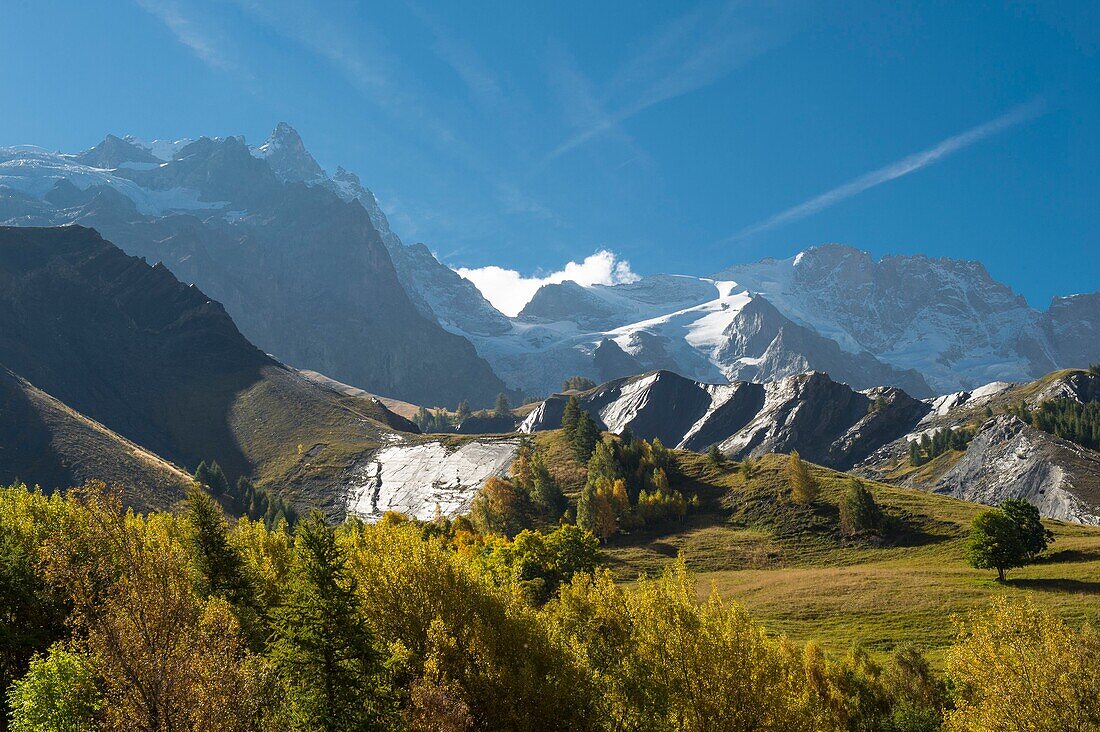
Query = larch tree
x=803 y=485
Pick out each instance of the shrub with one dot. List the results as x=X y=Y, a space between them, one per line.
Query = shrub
x=1017 y=667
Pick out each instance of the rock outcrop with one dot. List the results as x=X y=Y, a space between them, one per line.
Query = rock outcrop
x=826 y=421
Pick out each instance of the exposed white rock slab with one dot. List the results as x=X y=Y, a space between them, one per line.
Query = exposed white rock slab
x=420 y=478
x=1009 y=459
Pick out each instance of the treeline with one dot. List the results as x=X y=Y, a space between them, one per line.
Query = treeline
x=530 y=497
x=115 y=621
x=627 y=487
x=942 y=440
x=627 y=483
x=1066 y=418
x=440 y=421
x=243 y=498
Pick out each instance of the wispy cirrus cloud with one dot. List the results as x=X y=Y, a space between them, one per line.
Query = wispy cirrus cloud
x=688 y=54
x=377 y=71
x=909 y=164
x=482 y=81
x=191 y=33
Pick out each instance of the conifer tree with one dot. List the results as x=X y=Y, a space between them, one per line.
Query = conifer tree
x=423 y=420
x=323 y=649
x=715 y=456
x=202 y=474
x=569 y=417
x=244 y=493
x=220 y=568
x=802 y=483
x=502 y=408
x=578 y=383
x=585 y=437
x=218 y=483
x=544 y=491
x=463 y=412
x=858 y=511
x=916 y=457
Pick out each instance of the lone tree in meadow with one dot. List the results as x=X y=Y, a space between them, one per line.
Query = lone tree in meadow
x=803 y=485
x=715 y=456
x=859 y=513
x=1007 y=537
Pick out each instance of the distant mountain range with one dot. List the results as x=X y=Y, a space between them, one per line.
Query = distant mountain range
x=309 y=269
x=292 y=254
x=111 y=368
x=867 y=432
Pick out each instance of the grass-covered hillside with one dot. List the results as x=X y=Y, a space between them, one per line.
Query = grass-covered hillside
x=795 y=570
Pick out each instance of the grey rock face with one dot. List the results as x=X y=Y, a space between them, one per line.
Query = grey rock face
x=1009 y=459
x=1006 y=458
x=763 y=345
x=303 y=272
x=114 y=152
x=827 y=422
x=1073 y=324
x=285 y=152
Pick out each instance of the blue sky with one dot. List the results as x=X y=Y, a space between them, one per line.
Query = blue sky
x=680 y=137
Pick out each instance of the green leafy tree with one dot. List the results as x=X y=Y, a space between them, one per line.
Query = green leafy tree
x=802 y=483
x=1006 y=537
x=858 y=511
x=32 y=615
x=587 y=508
x=1036 y=537
x=540 y=563
x=323 y=649
x=58 y=694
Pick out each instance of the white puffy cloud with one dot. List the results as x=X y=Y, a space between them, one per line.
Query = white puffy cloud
x=509 y=291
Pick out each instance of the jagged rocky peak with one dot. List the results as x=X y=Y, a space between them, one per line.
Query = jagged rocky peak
x=827 y=421
x=763 y=345
x=221 y=170
x=115 y=152
x=946 y=318
x=288 y=157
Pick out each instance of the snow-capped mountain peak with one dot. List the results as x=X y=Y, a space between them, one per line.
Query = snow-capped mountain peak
x=288 y=157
